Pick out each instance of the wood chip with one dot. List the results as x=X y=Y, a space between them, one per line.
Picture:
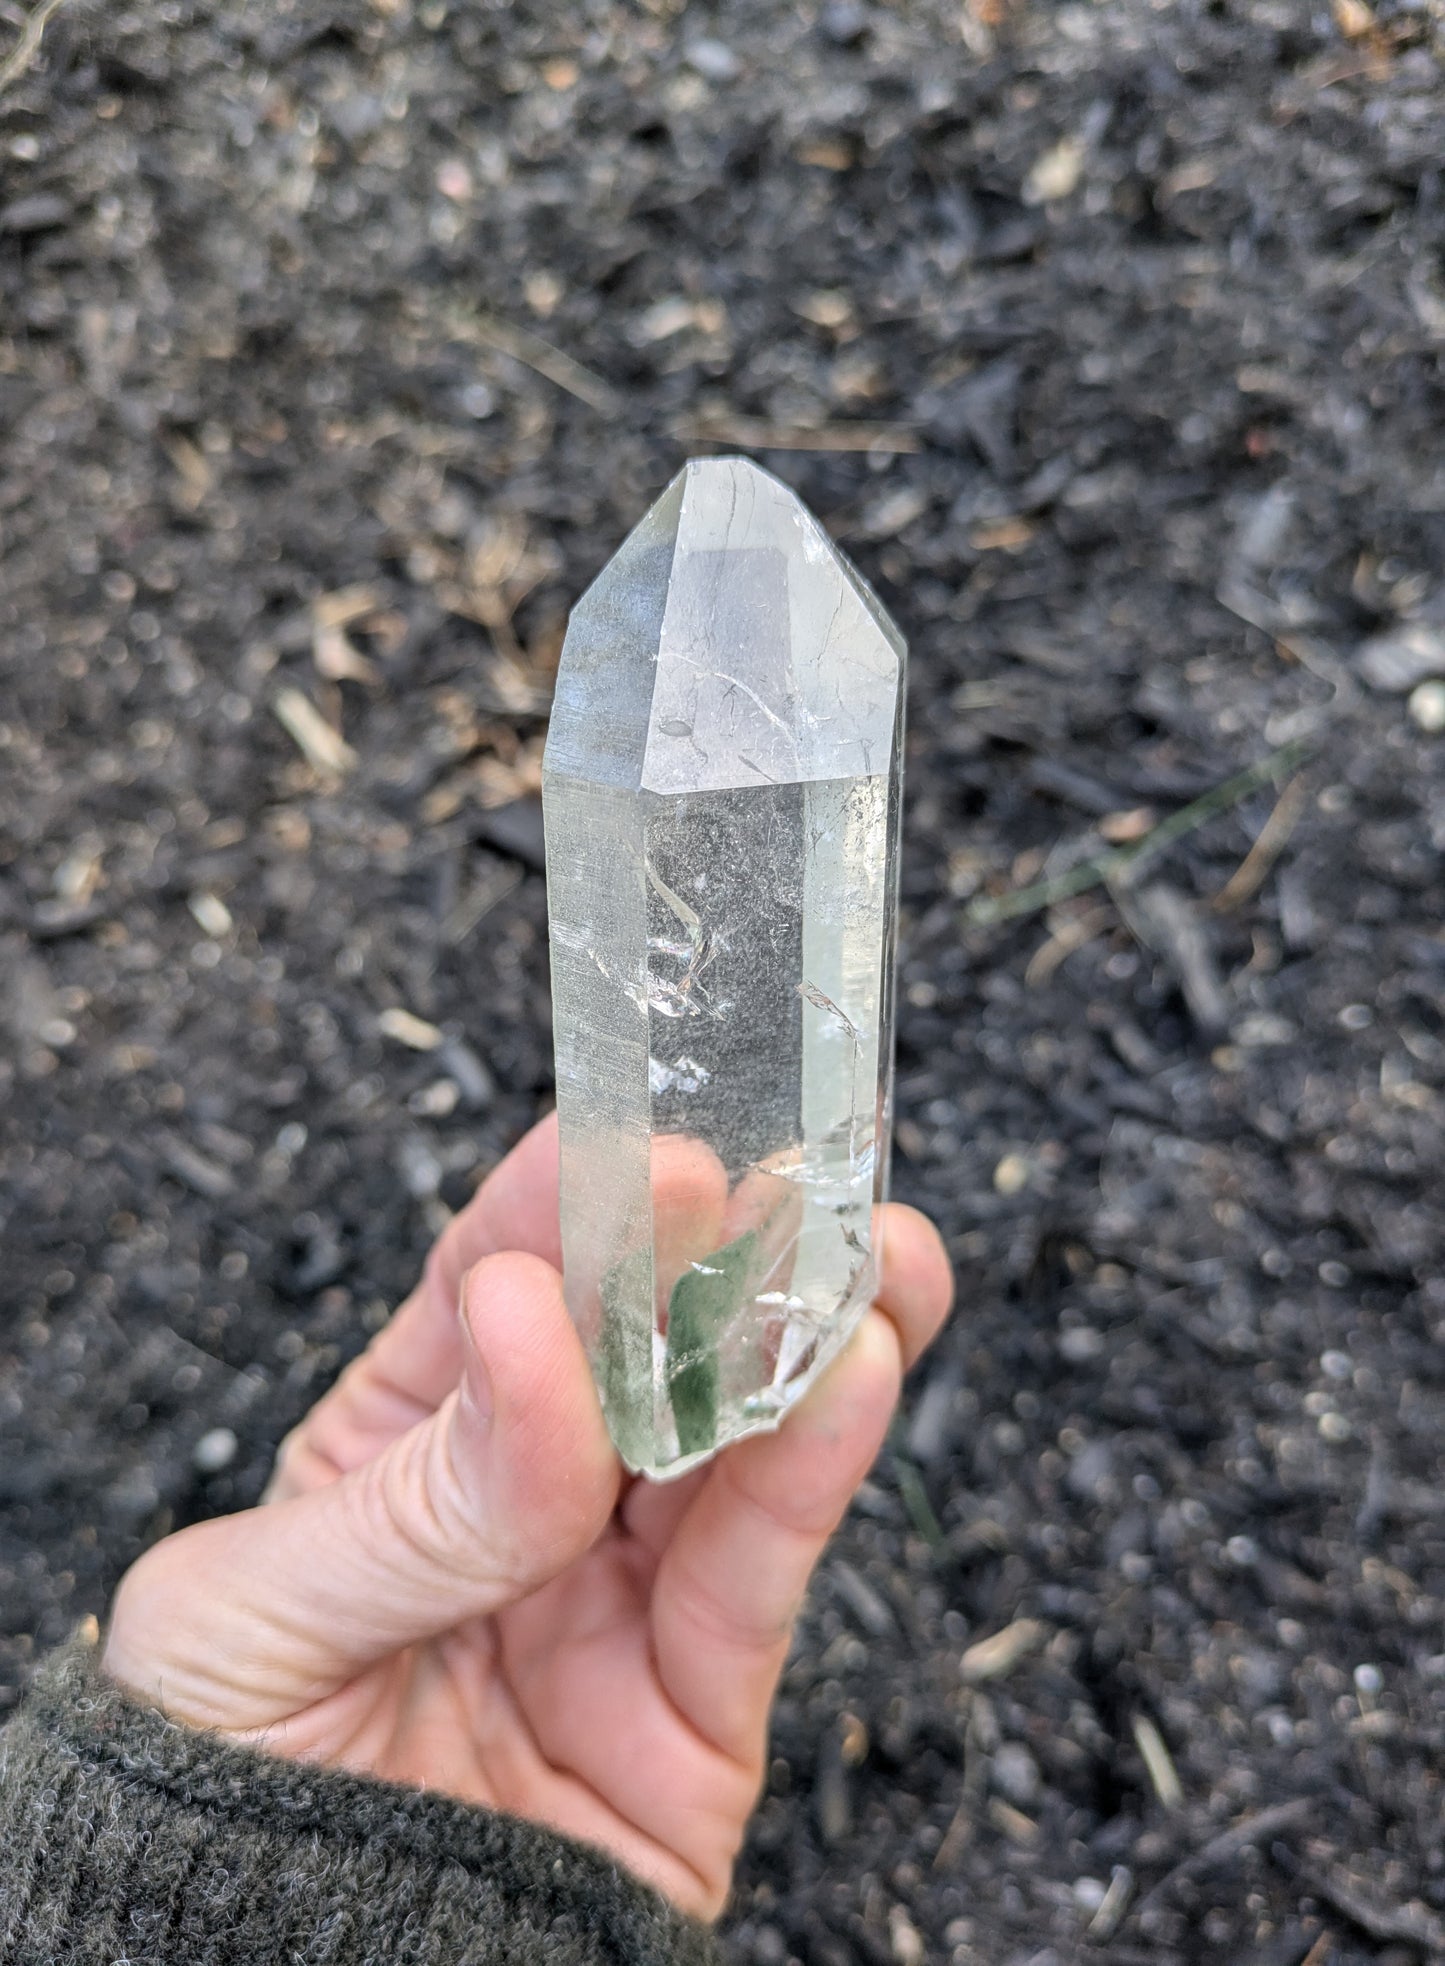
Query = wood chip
x=1353 y=18
x=995 y=1657
x=410 y=1030
x=670 y=316
x=344 y=605
x=78 y=876
x=336 y=656
x=871 y=1610
x=956 y=1838
x=1009 y=535
x=1159 y=1764
x=826 y=155
x=205 y=1177
x=1123 y=828
x=1113 y=1904
x=338 y=659
x=904 y=1938
x=1427 y=708
x=212 y=914
x=323 y=748
x=854 y=1741
x=1056 y=174
x=1197 y=174
x=192 y=469
x=1011 y=1175
x=1011 y=1822
x=435 y=1102
x=828 y=307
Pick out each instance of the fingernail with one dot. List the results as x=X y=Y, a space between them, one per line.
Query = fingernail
x=474 y=1395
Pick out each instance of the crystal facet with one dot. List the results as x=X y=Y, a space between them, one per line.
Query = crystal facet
x=721 y=788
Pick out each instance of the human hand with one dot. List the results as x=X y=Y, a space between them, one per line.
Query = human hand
x=452 y=1583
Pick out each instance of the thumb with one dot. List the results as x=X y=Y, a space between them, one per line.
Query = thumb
x=240 y=1622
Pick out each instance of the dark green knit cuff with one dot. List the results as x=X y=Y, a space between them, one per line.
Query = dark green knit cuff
x=128 y=1836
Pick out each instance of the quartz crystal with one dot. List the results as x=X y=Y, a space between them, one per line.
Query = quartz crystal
x=721 y=789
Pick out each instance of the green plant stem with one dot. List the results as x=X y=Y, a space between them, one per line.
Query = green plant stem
x=1122 y=861
x=914 y=1497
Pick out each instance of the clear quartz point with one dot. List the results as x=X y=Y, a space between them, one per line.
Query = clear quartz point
x=721 y=789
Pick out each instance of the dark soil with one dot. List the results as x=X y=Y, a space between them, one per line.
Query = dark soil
x=1145 y=305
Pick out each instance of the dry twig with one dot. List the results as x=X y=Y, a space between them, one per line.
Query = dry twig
x=1163 y=1776
x=1072 y=934
x=529 y=349
x=1115 y=1902
x=1274 y=835
x=996 y=1656
x=323 y=748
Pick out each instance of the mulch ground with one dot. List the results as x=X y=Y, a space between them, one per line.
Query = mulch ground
x=339 y=345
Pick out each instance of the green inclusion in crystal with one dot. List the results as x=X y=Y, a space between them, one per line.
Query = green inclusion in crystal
x=704 y=1301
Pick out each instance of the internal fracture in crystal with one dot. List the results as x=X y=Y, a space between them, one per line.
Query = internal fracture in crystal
x=721 y=788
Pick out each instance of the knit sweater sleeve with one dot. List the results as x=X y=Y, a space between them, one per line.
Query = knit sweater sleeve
x=126 y=1836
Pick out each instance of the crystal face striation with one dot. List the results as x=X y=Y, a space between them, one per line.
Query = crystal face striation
x=721 y=788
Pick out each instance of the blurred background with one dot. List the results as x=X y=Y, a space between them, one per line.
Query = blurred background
x=339 y=346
